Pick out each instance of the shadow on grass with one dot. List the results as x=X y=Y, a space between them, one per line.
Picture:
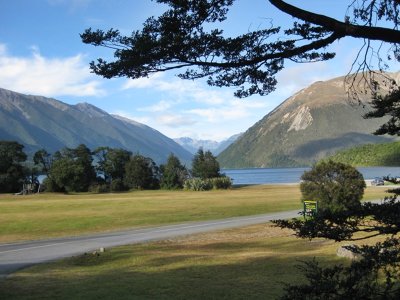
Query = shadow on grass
x=253 y=279
x=239 y=186
x=149 y=273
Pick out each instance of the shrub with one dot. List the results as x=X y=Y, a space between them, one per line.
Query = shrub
x=117 y=185
x=336 y=186
x=99 y=188
x=50 y=185
x=198 y=184
x=221 y=183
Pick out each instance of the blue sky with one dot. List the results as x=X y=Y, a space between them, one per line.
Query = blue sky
x=41 y=53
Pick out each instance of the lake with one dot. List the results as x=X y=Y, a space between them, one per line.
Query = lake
x=292 y=175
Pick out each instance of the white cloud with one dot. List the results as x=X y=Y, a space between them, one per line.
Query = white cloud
x=175 y=120
x=253 y=103
x=158 y=107
x=191 y=107
x=51 y=77
x=143 y=120
x=139 y=83
x=182 y=90
x=218 y=115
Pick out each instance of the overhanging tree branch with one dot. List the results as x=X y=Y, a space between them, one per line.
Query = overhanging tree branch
x=341 y=28
x=269 y=56
x=180 y=39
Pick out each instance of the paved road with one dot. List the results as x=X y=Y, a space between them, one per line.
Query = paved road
x=19 y=255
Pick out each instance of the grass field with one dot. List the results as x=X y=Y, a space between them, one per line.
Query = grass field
x=54 y=215
x=245 y=263
x=242 y=263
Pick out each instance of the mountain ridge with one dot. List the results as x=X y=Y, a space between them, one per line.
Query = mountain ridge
x=39 y=122
x=311 y=124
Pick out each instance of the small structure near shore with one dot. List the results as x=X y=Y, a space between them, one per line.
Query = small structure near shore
x=29 y=188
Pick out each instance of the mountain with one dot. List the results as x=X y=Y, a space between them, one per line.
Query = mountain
x=312 y=124
x=193 y=145
x=226 y=143
x=38 y=122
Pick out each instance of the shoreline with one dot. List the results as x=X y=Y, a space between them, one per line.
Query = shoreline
x=367 y=182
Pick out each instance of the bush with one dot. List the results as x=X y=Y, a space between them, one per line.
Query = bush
x=336 y=186
x=99 y=188
x=117 y=185
x=198 y=184
x=221 y=183
x=50 y=185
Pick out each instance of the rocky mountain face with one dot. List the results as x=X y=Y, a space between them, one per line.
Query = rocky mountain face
x=38 y=122
x=193 y=145
x=312 y=124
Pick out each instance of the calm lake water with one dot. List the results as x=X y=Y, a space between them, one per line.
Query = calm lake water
x=292 y=175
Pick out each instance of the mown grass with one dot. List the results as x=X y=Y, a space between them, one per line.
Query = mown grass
x=245 y=263
x=55 y=215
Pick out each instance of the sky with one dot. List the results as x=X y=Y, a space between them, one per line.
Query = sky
x=41 y=53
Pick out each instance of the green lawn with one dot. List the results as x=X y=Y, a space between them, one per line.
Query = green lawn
x=53 y=215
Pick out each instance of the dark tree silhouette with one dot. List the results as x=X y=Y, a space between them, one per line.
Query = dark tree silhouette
x=11 y=170
x=187 y=38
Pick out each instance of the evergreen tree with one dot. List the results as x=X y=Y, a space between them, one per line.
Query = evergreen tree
x=205 y=165
x=83 y=158
x=173 y=173
x=141 y=173
x=12 y=174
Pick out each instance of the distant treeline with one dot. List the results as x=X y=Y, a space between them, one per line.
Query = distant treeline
x=370 y=155
x=104 y=169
